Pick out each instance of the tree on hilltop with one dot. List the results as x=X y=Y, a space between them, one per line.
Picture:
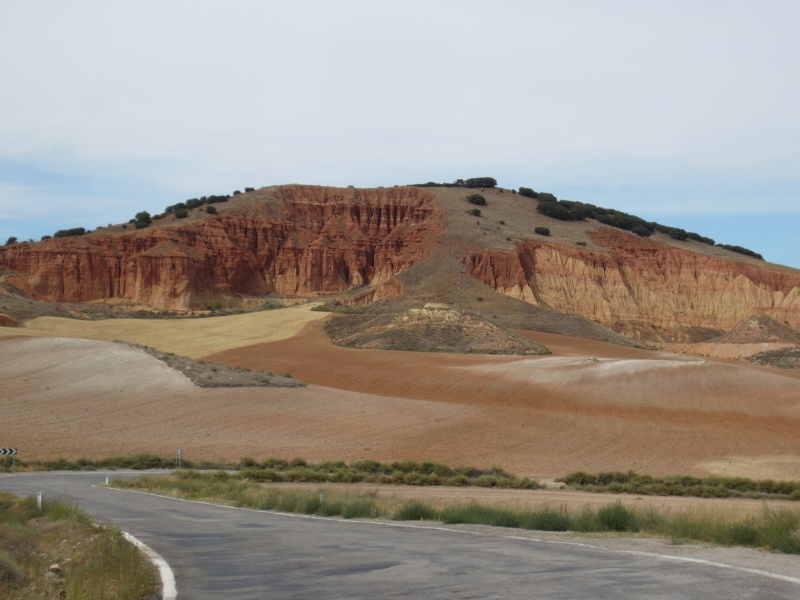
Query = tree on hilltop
x=142 y=220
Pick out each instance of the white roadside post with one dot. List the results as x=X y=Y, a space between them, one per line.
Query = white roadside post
x=178 y=458
x=39 y=500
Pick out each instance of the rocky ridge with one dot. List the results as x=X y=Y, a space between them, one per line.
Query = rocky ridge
x=294 y=240
x=639 y=281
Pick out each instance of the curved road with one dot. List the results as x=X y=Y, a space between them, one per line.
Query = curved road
x=220 y=552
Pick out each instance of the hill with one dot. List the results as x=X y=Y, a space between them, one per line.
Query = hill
x=387 y=250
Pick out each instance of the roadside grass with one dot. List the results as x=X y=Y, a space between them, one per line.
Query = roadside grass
x=776 y=530
x=681 y=485
x=276 y=470
x=94 y=562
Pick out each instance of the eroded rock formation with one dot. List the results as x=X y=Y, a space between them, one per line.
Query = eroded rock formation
x=638 y=280
x=306 y=240
x=298 y=240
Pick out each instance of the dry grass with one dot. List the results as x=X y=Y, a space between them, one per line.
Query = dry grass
x=186 y=337
x=56 y=552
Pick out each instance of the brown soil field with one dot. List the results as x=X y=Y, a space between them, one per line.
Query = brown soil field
x=590 y=406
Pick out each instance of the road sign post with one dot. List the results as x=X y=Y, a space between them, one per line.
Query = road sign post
x=178 y=458
x=9 y=452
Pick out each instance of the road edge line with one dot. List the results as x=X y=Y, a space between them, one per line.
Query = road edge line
x=169 y=591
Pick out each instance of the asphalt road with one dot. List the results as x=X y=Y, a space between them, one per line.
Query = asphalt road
x=218 y=552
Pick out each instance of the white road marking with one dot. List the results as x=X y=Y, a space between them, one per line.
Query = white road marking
x=169 y=590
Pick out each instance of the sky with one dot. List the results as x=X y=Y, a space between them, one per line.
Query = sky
x=682 y=112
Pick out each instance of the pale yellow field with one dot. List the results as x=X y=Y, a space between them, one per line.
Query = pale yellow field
x=186 y=337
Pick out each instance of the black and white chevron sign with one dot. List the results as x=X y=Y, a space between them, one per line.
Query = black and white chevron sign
x=5 y=451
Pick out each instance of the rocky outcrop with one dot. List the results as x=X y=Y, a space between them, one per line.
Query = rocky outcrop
x=294 y=240
x=433 y=328
x=639 y=281
x=760 y=329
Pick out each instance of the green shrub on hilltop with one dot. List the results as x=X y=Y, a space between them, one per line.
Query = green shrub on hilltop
x=740 y=250
x=75 y=231
x=142 y=220
x=476 y=199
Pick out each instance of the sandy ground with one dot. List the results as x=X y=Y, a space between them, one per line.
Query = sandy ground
x=185 y=337
x=591 y=406
x=735 y=351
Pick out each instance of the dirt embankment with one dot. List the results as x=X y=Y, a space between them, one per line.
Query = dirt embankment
x=433 y=328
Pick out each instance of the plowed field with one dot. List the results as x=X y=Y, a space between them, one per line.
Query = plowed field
x=589 y=406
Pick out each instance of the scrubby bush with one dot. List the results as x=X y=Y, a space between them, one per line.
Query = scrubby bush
x=476 y=199
x=475 y=212
x=47 y=237
x=480 y=182
x=641 y=231
x=709 y=487
x=527 y=192
x=676 y=233
x=546 y=197
x=740 y=250
x=11 y=240
x=415 y=510
x=237 y=192
x=249 y=189
x=212 y=210
x=181 y=213
x=541 y=230
x=142 y=220
x=75 y=231
x=556 y=210
x=699 y=238
x=193 y=203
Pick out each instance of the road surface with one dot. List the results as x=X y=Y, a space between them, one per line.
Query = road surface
x=221 y=552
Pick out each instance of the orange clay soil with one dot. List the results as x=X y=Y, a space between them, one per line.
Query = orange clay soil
x=590 y=406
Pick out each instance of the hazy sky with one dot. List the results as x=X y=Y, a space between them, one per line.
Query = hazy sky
x=687 y=113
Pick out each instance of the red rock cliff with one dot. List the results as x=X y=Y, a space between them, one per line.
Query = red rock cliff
x=299 y=240
x=639 y=280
